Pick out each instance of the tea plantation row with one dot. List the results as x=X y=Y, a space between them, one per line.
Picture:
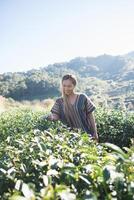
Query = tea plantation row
x=45 y=160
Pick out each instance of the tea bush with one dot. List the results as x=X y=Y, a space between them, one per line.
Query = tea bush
x=115 y=126
x=46 y=160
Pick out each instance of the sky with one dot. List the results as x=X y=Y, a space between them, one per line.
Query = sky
x=35 y=33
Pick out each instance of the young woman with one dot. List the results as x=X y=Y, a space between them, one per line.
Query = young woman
x=73 y=109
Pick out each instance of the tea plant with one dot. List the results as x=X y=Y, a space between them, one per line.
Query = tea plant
x=46 y=160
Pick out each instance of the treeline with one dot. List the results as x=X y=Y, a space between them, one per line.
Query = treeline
x=41 y=84
x=31 y=85
x=37 y=84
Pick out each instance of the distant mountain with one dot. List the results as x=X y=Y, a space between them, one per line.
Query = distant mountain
x=130 y=55
x=100 y=77
x=103 y=66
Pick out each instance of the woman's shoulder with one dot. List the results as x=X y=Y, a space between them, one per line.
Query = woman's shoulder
x=59 y=99
x=82 y=95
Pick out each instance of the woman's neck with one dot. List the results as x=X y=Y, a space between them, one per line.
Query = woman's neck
x=71 y=95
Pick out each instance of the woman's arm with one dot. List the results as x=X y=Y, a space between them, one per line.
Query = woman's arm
x=93 y=125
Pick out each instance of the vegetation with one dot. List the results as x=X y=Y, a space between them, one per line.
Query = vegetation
x=46 y=160
x=103 y=78
x=43 y=160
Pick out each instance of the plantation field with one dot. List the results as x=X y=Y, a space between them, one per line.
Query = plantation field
x=46 y=160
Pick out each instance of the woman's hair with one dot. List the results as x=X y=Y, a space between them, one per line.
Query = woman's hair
x=67 y=109
x=70 y=77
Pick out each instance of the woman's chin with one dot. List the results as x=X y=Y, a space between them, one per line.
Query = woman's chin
x=67 y=94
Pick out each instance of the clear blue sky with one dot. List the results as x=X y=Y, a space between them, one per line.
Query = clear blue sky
x=35 y=33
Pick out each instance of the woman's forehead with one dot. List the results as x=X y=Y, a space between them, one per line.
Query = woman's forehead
x=67 y=82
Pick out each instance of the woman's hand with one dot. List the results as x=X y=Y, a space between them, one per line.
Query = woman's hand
x=52 y=117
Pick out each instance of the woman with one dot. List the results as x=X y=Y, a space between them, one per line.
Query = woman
x=74 y=109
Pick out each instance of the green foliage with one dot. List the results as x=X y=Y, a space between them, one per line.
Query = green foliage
x=29 y=86
x=115 y=126
x=46 y=160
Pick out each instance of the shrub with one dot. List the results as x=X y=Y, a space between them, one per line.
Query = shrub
x=46 y=160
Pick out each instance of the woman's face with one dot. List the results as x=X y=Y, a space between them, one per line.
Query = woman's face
x=67 y=87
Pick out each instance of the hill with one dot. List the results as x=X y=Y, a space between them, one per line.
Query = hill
x=107 y=79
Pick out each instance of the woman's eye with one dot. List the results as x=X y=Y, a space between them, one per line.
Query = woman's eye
x=67 y=86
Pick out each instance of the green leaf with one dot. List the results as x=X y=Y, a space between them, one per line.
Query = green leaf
x=85 y=179
x=116 y=149
x=27 y=192
x=106 y=174
x=52 y=172
x=67 y=195
x=45 y=180
x=17 y=197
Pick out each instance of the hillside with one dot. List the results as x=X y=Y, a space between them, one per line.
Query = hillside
x=107 y=79
x=103 y=67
